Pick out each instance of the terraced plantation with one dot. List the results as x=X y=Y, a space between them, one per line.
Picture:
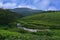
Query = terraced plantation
x=42 y=20
x=47 y=24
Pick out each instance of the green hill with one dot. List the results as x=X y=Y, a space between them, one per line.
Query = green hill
x=42 y=20
x=9 y=31
x=8 y=35
x=25 y=11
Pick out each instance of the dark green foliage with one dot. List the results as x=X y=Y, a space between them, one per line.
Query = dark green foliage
x=45 y=23
x=20 y=30
x=44 y=20
x=7 y=17
x=7 y=35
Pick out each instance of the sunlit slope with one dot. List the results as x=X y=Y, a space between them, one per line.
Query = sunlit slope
x=42 y=20
x=8 y=35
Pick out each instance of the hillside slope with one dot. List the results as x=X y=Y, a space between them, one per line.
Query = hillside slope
x=43 y=20
x=25 y=11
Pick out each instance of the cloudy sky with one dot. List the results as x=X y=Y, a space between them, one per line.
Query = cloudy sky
x=33 y=4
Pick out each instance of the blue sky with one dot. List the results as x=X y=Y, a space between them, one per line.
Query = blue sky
x=33 y=4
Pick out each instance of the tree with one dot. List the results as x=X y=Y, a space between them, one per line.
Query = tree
x=7 y=17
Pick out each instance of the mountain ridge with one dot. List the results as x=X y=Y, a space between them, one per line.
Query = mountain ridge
x=25 y=11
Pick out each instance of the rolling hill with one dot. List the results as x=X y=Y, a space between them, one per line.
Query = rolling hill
x=25 y=11
x=42 y=20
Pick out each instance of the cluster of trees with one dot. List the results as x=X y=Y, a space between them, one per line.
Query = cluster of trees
x=7 y=17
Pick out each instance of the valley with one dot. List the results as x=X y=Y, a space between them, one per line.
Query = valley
x=44 y=25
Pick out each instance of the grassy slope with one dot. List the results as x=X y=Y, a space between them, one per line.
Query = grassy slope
x=43 y=20
x=9 y=35
x=34 y=21
x=20 y=34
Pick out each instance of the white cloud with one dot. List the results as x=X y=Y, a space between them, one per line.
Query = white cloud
x=1 y=0
x=33 y=4
x=56 y=2
x=26 y=6
x=37 y=4
x=35 y=1
x=52 y=8
x=14 y=1
x=1 y=4
x=43 y=4
x=9 y=5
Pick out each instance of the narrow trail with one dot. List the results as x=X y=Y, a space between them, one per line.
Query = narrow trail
x=31 y=30
x=34 y=30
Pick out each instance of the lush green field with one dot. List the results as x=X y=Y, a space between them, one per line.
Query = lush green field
x=7 y=35
x=42 y=20
x=42 y=35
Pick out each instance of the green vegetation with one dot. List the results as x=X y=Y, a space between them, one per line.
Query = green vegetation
x=10 y=35
x=8 y=18
x=40 y=21
x=7 y=35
